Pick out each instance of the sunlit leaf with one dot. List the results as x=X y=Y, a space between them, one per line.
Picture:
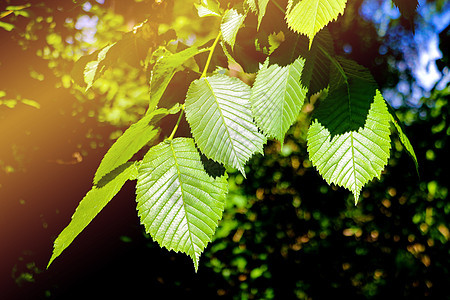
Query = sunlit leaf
x=310 y=16
x=218 y=111
x=231 y=22
x=178 y=202
x=277 y=97
x=354 y=158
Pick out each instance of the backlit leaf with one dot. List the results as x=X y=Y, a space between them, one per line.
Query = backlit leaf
x=277 y=97
x=178 y=202
x=218 y=111
x=231 y=22
x=353 y=158
x=309 y=16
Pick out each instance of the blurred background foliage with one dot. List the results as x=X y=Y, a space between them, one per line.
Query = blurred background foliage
x=285 y=233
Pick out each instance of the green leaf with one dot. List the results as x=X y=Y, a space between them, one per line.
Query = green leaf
x=354 y=158
x=164 y=70
x=218 y=111
x=403 y=138
x=352 y=90
x=208 y=8
x=91 y=70
x=94 y=201
x=231 y=22
x=309 y=16
x=130 y=142
x=177 y=202
x=277 y=97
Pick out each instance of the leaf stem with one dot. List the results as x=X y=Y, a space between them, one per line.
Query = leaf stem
x=211 y=51
x=176 y=125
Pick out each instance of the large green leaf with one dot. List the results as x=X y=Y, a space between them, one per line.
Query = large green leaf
x=354 y=158
x=131 y=141
x=352 y=90
x=164 y=70
x=277 y=97
x=178 y=202
x=94 y=201
x=218 y=111
x=231 y=22
x=309 y=16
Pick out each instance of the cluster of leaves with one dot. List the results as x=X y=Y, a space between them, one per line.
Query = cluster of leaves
x=180 y=197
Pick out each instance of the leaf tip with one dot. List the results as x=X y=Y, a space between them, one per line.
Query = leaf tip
x=356 y=195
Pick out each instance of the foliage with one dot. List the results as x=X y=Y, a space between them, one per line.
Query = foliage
x=348 y=139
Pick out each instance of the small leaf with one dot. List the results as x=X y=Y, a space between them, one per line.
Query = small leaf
x=218 y=111
x=94 y=201
x=164 y=70
x=403 y=138
x=91 y=69
x=130 y=142
x=177 y=202
x=354 y=158
x=309 y=16
x=262 y=5
x=231 y=22
x=277 y=97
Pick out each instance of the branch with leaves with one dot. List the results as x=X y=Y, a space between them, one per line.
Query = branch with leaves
x=178 y=201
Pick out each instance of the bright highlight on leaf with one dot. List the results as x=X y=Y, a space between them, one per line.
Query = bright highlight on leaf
x=309 y=16
x=231 y=22
x=178 y=202
x=277 y=97
x=218 y=111
x=354 y=158
x=94 y=201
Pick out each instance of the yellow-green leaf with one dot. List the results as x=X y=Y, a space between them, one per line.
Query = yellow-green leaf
x=309 y=16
